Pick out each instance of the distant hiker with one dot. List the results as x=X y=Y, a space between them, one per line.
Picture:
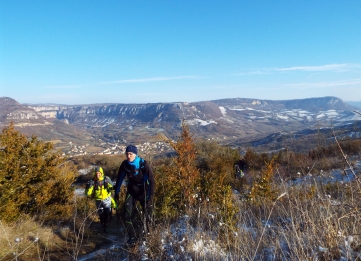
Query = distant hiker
x=240 y=168
x=100 y=188
x=140 y=187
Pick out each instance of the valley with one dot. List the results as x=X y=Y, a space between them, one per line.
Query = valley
x=237 y=122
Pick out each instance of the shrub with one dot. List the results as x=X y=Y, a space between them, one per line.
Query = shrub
x=199 y=175
x=179 y=181
x=216 y=164
x=33 y=178
x=263 y=189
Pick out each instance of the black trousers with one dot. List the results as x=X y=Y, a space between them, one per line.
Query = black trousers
x=133 y=219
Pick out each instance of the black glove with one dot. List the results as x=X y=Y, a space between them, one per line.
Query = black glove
x=116 y=197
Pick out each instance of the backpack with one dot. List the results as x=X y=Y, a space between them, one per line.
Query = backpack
x=135 y=179
x=138 y=183
x=95 y=183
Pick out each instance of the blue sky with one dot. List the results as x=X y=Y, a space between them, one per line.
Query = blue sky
x=79 y=52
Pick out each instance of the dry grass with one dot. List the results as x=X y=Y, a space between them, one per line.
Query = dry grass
x=309 y=222
x=26 y=239
x=304 y=223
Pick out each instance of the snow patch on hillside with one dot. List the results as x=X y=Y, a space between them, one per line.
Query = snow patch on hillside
x=283 y=117
x=243 y=109
x=321 y=115
x=200 y=122
x=332 y=113
x=223 y=110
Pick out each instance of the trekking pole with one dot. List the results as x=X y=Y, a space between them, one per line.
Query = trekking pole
x=87 y=186
x=145 y=217
x=145 y=223
x=117 y=212
x=86 y=206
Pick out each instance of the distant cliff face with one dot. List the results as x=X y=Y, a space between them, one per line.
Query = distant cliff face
x=203 y=111
x=226 y=119
x=12 y=111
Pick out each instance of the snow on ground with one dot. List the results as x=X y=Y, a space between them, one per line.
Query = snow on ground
x=79 y=191
x=302 y=114
x=248 y=109
x=332 y=113
x=355 y=117
x=296 y=114
x=201 y=122
x=303 y=111
x=182 y=241
x=321 y=115
x=283 y=117
x=85 y=171
x=179 y=236
x=223 y=110
x=291 y=113
x=336 y=175
x=243 y=109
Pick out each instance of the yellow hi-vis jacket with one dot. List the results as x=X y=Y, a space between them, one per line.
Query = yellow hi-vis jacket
x=100 y=189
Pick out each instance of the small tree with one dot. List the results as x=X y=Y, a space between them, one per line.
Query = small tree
x=186 y=171
x=216 y=164
x=263 y=189
x=199 y=175
x=179 y=181
x=33 y=179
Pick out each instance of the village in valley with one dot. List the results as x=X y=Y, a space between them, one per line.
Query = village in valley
x=115 y=148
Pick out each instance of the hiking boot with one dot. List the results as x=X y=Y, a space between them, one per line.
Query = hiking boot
x=132 y=241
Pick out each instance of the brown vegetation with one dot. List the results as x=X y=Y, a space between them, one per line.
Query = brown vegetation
x=202 y=210
x=33 y=179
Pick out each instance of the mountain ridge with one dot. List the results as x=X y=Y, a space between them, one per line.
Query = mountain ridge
x=231 y=121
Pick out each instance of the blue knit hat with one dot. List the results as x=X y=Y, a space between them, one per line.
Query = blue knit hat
x=131 y=148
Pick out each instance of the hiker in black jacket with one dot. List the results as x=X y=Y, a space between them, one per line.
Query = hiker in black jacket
x=140 y=187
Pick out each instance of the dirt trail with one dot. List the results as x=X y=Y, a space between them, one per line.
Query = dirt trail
x=106 y=246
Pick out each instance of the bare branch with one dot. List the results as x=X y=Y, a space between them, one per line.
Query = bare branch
x=345 y=157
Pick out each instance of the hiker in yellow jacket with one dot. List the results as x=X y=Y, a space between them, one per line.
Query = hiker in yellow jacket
x=100 y=188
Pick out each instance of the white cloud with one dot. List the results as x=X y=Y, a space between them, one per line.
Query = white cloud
x=64 y=86
x=255 y=72
x=344 y=67
x=153 y=79
x=307 y=85
x=143 y=80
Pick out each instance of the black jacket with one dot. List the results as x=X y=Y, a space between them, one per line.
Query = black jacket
x=140 y=182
